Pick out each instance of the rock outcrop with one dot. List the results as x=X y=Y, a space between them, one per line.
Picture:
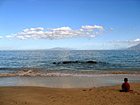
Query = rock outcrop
x=68 y=62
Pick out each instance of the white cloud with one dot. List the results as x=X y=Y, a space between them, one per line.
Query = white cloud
x=128 y=41
x=61 y=29
x=92 y=28
x=136 y=40
x=58 y=33
x=1 y=37
x=111 y=28
x=34 y=29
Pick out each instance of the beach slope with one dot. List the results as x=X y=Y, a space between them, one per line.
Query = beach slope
x=109 y=95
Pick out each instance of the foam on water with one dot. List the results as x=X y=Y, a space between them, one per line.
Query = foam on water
x=35 y=73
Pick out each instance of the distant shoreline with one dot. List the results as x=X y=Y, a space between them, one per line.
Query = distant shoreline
x=69 y=49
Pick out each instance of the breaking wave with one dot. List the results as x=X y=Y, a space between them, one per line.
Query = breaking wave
x=34 y=73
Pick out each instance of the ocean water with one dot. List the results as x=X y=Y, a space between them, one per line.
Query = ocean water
x=42 y=60
x=37 y=68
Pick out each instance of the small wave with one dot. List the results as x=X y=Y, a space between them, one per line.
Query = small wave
x=35 y=73
x=31 y=73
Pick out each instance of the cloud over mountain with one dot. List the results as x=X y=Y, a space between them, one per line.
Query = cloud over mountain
x=58 y=33
x=128 y=41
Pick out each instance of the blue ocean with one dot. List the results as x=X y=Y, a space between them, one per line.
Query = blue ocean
x=107 y=60
x=68 y=68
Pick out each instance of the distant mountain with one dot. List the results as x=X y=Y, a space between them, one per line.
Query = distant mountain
x=136 y=47
x=59 y=48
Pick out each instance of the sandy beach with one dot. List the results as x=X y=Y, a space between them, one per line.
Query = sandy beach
x=108 y=95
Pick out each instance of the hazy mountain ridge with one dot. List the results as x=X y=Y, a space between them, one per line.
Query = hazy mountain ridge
x=60 y=48
x=136 y=47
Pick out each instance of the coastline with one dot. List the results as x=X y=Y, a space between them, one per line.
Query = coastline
x=82 y=81
x=59 y=73
x=108 y=95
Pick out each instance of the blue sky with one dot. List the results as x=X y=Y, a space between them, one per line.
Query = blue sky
x=76 y=24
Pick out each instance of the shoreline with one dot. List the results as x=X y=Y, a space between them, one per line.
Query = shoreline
x=53 y=73
x=69 y=81
x=105 y=95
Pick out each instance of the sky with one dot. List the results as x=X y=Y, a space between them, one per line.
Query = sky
x=74 y=24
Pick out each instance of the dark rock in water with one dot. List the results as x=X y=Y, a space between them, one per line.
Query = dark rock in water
x=54 y=63
x=91 y=62
x=68 y=62
x=57 y=62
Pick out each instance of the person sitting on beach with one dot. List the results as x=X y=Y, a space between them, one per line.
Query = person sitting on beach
x=125 y=86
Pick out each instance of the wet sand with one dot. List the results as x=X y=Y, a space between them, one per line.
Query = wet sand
x=70 y=82
x=108 y=95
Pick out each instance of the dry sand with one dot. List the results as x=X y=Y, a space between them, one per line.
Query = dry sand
x=109 y=95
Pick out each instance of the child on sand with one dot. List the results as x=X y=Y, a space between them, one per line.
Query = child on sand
x=125 y=86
